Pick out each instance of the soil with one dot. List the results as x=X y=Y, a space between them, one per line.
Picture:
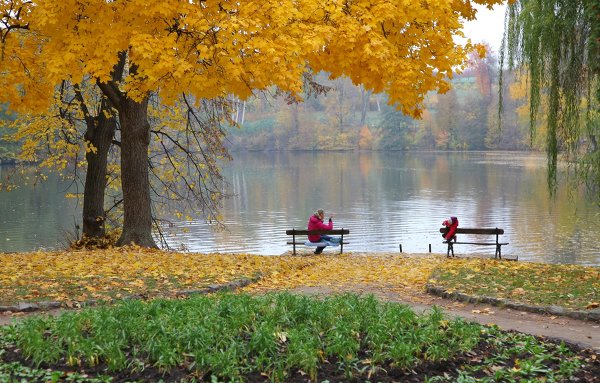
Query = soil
x=330 y=371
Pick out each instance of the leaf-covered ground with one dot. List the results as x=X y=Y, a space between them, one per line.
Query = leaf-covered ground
x=112 y=274
x=570 y=286
x=401 y=274
x=109 y=274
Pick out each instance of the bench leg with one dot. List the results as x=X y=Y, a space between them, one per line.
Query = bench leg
x=498 y=248
x=450 y=249
x=294 y=245
x=342 y=244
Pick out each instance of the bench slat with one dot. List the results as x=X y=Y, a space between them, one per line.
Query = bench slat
x=478 y=243
x=483 y=230
x=311 y=232
x=302 y=243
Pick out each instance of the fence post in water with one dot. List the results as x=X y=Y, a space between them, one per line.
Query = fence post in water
x=430 y=247
x=400 y=245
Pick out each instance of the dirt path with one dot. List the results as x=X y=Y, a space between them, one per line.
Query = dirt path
x=7 y=318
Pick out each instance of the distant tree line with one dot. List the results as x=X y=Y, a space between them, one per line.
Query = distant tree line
x=344 y=116
x=347 y=117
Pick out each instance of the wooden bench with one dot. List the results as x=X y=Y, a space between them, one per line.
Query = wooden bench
x=295 y=233
x=476 y=231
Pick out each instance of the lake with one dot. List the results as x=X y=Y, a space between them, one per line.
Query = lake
x=384 y=198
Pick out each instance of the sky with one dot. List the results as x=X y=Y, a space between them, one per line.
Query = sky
x=488 y=27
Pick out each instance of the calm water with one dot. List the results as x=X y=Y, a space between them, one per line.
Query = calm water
x=385 y=199
x=36 y=217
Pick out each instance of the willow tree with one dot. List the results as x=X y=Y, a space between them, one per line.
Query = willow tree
x=215 y=48
x=556 y=44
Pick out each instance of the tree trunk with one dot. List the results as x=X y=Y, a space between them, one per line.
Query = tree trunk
x=99 y=133
x=364 y=105
x=243 y=113
x=295 y=122
x=135 y=139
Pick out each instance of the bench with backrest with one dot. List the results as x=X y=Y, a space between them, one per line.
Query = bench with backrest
x=295 y=232
x=476 y=231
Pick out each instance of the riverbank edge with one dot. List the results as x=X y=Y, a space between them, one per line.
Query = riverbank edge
x=589 y=315
x=27 y=307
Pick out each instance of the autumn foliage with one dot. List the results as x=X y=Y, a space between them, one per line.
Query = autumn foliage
x=209 y=49
x=214 y=48
x=80 y=276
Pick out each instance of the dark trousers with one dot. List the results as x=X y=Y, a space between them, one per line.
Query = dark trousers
x=320 y=249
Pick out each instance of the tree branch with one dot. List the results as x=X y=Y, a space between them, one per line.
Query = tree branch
x=86 y=112
x=111 y=89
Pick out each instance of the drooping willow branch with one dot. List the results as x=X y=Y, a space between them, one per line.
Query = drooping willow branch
x=556 y=45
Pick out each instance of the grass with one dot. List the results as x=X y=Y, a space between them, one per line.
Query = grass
x=274 y=337
x=569 y=286
x=275 y=333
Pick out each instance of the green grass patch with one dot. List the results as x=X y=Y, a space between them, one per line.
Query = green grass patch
x=569 y=286
x=228 y=335
x=275 y=337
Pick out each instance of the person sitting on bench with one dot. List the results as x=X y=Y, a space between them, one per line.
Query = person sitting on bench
x=451 y=225
x=315 y=222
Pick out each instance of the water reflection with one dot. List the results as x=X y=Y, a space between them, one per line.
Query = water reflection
x=387 y=199
x=34 y=217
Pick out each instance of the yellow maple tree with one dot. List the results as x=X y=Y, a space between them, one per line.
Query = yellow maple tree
x=211 y=48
